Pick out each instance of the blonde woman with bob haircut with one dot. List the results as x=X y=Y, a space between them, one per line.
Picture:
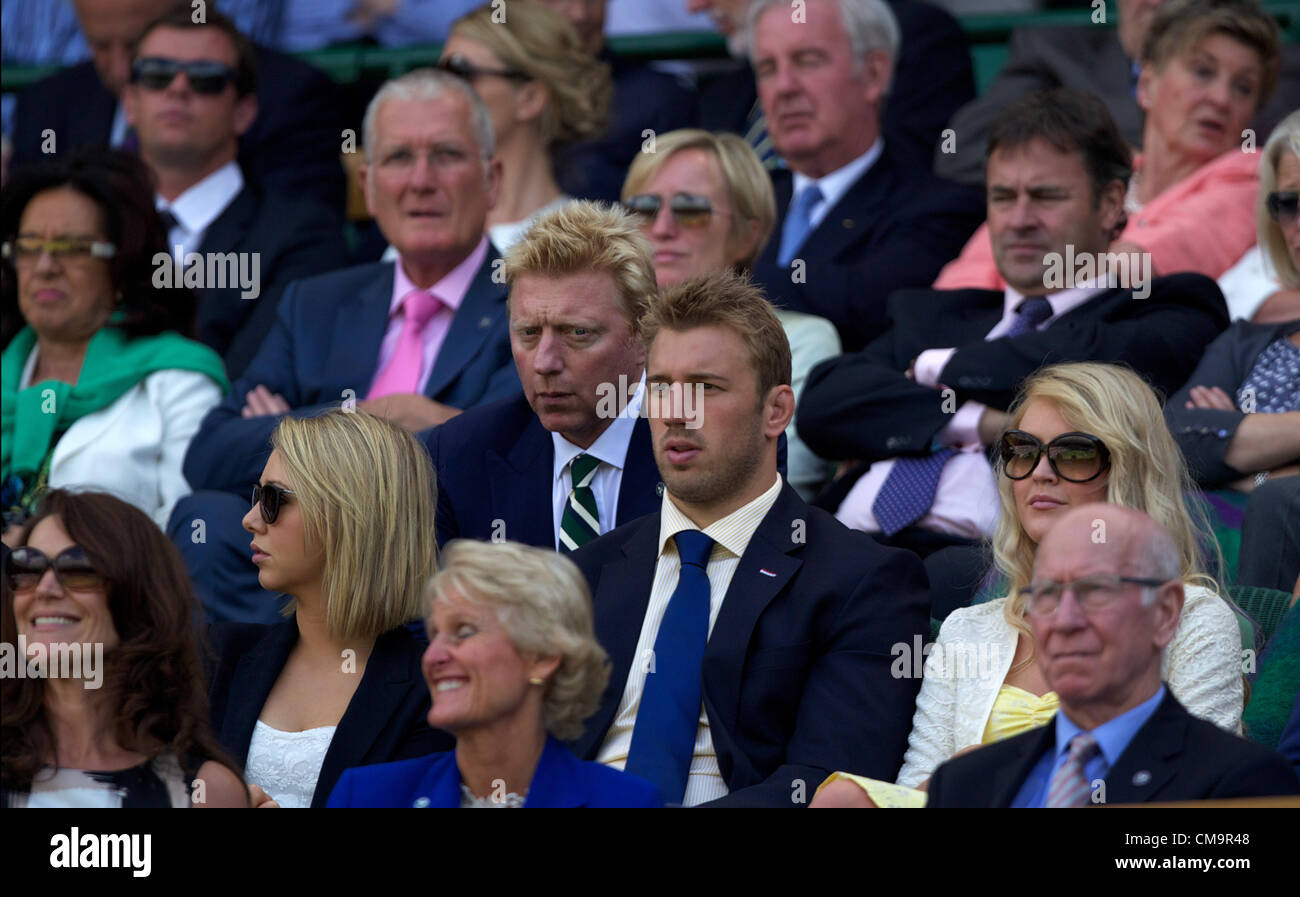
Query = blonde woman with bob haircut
x=513 y=668
x=1079 y=433
x=543 y=91
x=342 y=521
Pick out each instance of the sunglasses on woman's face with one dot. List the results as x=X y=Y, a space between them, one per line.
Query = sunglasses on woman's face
x=269 y=498
x=1076 y=457
x=205 y=76
x=688 y=210
x=26 y=565
x=1283 y=206
x=461 y=67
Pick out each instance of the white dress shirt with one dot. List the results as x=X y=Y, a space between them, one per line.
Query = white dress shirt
x=731 y=536
x=199 y=206
x=966 y=501
x=834 y=185
x=610 y=448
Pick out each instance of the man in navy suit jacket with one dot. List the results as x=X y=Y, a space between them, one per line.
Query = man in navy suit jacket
x=578 y=284
x=292 y=147
x=857 y=219
x=430 y=180
x=794 y=638
x=1119 y=736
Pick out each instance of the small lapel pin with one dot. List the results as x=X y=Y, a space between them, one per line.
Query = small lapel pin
x=1141 y=777
x=659 y=490
x=484 y=322
x=420 y=803
x=847 y=222
x=766 y=572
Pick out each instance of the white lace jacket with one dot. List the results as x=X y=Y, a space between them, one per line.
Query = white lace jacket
x=970 y=660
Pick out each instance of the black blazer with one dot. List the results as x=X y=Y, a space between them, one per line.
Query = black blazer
x=796 y=673
x=386 y=719
x=1204 y=433
x=323 y=349
x=1174 y=756
x=494 y=463
x=291 y=148
x=293 y=239
x=896 y=227
x=863 y=406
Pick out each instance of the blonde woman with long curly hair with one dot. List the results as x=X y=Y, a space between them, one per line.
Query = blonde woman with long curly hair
x=1078 y=433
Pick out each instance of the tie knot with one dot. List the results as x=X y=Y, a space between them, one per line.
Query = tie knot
x=1034 y=311
x=583 y=468
x=419 y=306
x=1083 y=748
x=694 y=548
x=808 y=197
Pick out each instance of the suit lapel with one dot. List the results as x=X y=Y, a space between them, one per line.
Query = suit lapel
x=846 y=222
x=521 y=482
x=251 y=685
x=483 y=305
x=1148 y=763
x=225 y=235
x=638 y=491
x=619 y=606
x=1006 y=781
x=557 y=779
x=358 y=333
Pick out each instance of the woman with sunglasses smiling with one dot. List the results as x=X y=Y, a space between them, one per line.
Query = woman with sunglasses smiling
x=543 y=91
x=126 y=724
x=102 y=387
x=1080 y=433
x=341 y=521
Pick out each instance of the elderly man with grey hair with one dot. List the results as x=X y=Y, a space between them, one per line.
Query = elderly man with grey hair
x=1104 y=602
x=859 y=216
x=415 y=340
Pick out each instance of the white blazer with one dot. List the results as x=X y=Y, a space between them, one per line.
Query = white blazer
x=970 y=660
x=134 y=447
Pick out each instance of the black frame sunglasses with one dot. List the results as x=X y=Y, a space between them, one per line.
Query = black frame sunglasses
x=462 y=68
x=205 y=76
x=1013 y=444
x=75 y=573
x=688 y=209
x=269 y=499
x=1283 y=204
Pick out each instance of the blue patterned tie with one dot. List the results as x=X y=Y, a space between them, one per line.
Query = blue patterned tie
x=667 y=719
x=1029 y=315
x=798 y=223
x=908 y=491
x=759 y=139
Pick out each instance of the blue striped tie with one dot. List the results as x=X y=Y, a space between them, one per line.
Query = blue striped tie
x=798 y=223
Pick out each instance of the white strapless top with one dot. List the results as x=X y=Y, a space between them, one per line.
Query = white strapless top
x=286 y=765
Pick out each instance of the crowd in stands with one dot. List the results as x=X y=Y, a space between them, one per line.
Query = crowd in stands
x=555 y=428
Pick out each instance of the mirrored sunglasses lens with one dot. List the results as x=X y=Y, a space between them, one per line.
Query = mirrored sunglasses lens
x=1019 y=456
x=1076 y=459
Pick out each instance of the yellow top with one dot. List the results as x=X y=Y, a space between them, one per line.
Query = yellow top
x=1014 y=711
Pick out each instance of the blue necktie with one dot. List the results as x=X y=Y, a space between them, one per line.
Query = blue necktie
x=1029 y=315
x=798 y=223
x=667 y=719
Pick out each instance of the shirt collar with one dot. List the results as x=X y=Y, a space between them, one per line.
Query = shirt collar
x=732 y=532
x=610 y=446
x=451 y=289
x=1112 y=736
x=200 y=205
x=1062 y=301
x=834 y=185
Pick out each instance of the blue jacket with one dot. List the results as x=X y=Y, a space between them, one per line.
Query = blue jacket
x=561 y=780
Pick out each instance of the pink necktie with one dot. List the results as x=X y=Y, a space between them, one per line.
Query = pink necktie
x=402 y=374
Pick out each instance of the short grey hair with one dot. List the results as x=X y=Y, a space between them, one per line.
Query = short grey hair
x=1286 y=136
x=541 y=600
x=870 y=25
x=429 y=84
x=1156 y=557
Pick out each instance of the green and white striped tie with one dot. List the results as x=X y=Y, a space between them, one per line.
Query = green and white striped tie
x=580 y=522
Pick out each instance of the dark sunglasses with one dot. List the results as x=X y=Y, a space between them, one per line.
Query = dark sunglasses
x=688 y=210
x=1076 y=457
x=25 y=567
x=270 y=498
x=205 y=77
x=1283 y=205
x=461 y=67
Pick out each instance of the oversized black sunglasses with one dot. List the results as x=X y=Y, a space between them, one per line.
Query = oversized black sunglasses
x=205 y=76
x=1076 y=457
x=688 y=210
x=1283 y=205
x=270 y=497
x=461 y=67
x=74 y=571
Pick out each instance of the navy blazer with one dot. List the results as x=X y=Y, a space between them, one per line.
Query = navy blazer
x=796 y=673
x=1204 y=433
x=291 y=148
x=560 y=780
x=494 y=466
x=292 y=238
x=1174 y=756
x=323 y=349
x=387 y=718
x=896 y=227
x=863 y=406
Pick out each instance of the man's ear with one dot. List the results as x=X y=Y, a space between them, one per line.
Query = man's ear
x=130 y=96
x=1111 y=205
x=1168 y=608
x=878 y=67
x=1145 y=91
x=245 y=113
x=492 y=181
x=778 y=409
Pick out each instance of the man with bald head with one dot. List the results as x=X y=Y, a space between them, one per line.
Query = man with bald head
x=1104 y=602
